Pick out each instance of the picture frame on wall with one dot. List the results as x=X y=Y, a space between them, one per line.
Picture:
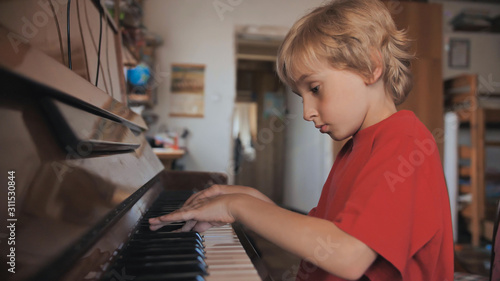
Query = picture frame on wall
x=187 y=90
x=459 y=53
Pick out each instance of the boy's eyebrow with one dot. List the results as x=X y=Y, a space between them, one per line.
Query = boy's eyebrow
x=304 y=76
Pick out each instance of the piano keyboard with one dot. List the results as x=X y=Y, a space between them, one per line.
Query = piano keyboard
x=213 y=255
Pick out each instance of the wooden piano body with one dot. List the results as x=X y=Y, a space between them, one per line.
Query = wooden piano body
x=84 y=176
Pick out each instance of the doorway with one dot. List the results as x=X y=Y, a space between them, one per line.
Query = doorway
x=258 y=121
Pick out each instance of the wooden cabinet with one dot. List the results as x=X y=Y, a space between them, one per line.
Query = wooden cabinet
x=423 y=22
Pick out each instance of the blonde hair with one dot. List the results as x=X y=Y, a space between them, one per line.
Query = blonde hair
x=348 y=35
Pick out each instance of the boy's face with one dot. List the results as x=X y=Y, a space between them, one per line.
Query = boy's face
x=337 y=101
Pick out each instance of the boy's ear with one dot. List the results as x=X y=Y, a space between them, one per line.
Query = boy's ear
x=377 y=71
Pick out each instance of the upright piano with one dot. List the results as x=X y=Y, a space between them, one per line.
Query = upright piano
x=79 y=182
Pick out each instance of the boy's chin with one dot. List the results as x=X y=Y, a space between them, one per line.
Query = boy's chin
x=335 y=137
x=338 y=137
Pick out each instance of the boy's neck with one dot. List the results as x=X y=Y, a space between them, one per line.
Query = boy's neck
x=381 y=105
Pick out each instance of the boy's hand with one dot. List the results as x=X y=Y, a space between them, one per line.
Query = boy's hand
x=199 y=214
x=216 y=190
x=212 y=191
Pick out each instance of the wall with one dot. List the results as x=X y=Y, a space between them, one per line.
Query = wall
x=484 y=47
x=200 y=31
x=304 y=179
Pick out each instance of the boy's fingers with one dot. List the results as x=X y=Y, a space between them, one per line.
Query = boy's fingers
x=188 y=226
x=191 y=198
x=196 y=203
x=155 y=224
x=186 y=213
x=157 y=220
x=195 y=198
x=175 y=216
x=155 y=227
x=214 y=190
x=202 y=226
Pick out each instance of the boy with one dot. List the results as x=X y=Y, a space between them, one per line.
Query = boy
x=384 y=211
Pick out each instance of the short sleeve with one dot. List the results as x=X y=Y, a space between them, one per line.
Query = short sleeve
x=312 y=212
x=389 y=208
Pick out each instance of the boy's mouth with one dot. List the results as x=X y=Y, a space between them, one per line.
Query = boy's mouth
x=322 y=128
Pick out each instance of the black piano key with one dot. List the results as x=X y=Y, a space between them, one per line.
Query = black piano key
x=159 y=213
x=147 y=224
x=159 y=238
x=184 y=276
x=167 y=242
x=163 y=209
x=162 y=237
x=166 y=267
x=166 y=228
x=163 y=266
x=165 y=251
x=171 y=277
x=162 y=254
x=155 y=234
x=154 y=258
x=153 y=246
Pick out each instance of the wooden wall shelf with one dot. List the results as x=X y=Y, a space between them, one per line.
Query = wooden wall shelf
x=475 y=110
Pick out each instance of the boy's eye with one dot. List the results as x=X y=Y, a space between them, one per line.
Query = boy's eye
x=315 y=90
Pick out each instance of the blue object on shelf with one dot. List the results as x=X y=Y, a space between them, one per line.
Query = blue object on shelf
x=139 y=75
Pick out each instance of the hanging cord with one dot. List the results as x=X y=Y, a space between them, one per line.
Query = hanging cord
x=107 y=60
x=69 y=35
x=99 y=50
x=81 y=36
x=61 y=48
x=87 y=21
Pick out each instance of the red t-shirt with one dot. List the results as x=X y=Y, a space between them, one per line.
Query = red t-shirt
x=387 y=189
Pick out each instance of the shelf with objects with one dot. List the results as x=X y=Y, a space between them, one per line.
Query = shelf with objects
x=138 y=52
x=476 y=21
x=141 y=79
x=478 y=110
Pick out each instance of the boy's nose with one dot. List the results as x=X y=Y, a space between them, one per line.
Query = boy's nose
x=309 y=112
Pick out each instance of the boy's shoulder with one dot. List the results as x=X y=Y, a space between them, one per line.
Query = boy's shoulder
x=402 y=124
x=398 y=133
x=402 y=130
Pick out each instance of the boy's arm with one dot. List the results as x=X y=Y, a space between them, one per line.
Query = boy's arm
x=317 y=240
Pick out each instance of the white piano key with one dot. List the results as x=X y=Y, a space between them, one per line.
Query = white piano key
x=226 y=258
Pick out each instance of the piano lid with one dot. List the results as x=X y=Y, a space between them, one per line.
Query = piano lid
x=77 y=129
